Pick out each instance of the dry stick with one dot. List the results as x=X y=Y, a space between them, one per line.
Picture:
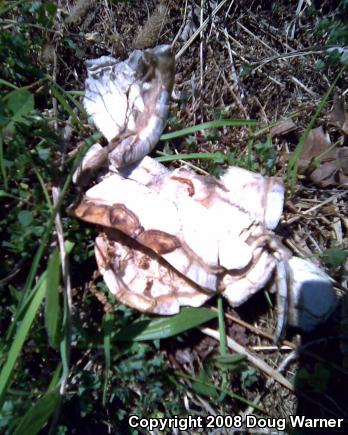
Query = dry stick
x=304 y=87
x=293 y=78
x=257 y=38
x=234 y=74
x=310 y=210
x=300 y=349
x=201 y=57
x=287 y=360
x=235 y=97
x=294 y=53
x=257 y=362
x=198 y=31
x=182 y=25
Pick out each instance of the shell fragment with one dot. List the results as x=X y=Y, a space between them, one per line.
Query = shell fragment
x=174 y=238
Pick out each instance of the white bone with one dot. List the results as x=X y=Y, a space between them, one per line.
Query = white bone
x=312 y=298
x=129 y=101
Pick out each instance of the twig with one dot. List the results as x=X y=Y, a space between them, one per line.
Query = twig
x=304 y=87
x=257 y=38
x=182 y=26
x=201 y=56
x=257 y=362
x=198 y=31
x=287 y=360
x=316 y=207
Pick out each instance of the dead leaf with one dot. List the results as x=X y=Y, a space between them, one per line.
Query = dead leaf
x=324 y=176
x=283 y=127
x=342 y=160
x=333 y=164
x=316 y=144
x=338 y=116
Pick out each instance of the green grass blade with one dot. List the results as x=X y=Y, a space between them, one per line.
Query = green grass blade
x=217 y=123
x=222 y=345
x=6 y=83
x=107 y=326
x=55 y=378
x=69 y=95
x=52 y=306
x=2 y=164
x=60 y=97
x=76 y=103
x=26 y=292
x=38 y=415
x=44 y=189
x=20 y=337
x=217 y=157
x=165 y=327
x=227 y=392
x=6 y=7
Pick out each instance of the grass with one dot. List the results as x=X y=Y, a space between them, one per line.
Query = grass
x=65 y=367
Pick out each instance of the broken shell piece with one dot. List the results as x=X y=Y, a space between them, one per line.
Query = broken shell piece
x=312 y=298
x=89 y=163
x=129 y=101
x=212 y=233
x=196 y=223
x=155 y=221
x=141 y=280
x=251 y=196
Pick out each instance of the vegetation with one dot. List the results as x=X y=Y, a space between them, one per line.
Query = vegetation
x=76 y=360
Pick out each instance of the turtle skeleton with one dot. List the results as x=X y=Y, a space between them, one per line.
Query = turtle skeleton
x=175 y=238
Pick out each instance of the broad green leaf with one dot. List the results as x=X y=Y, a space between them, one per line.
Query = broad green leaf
x=25 y=217
x=38 y=415
x=68 y=246
x=335 y=257
x=217 y=123
x=20 y=337
x=52 y=306
x=165 y=327
x=20 y=102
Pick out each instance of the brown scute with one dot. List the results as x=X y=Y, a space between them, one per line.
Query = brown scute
x=188 y=182
x=93 y=213
x=124 y=220
x=159 y=241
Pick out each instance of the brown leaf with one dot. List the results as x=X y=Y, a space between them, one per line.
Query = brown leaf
x=338 y=115
x=283 y=127
x=316 y=144
x=333 y=164
x=324 y=175
x=342 y=160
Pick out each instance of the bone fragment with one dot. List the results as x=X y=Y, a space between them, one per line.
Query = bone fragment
x=129 y=101
x=312 y=298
